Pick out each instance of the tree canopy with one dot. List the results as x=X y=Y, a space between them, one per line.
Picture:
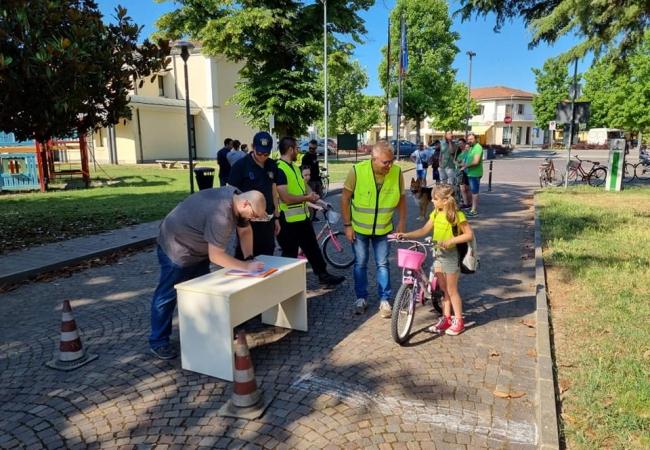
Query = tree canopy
x=612 y=27
x=280 y=43
x=451 y=113
x=552 y=82
x=62 y=70
x=431 y=52
x=620 y=98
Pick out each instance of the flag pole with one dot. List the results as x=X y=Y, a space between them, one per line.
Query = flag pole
x=388 y=81
x=401 y=72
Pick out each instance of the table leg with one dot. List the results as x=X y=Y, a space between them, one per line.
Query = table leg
x=291 y=313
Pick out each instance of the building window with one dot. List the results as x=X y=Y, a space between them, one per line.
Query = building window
x=506 y=136
x=161 y=86
x=520 y=108
x=481 y=110
x=519 y=133
x=509 y=110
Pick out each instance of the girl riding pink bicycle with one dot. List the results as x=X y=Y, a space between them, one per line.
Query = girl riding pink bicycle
x=450 y=227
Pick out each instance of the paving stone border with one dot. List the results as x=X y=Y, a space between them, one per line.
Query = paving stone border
x=547 y=407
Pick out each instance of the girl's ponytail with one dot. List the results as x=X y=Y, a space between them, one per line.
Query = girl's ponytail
x=445 y=192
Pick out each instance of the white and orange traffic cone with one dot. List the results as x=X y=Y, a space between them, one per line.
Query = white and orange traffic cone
x=71 y=353
x=248 y=401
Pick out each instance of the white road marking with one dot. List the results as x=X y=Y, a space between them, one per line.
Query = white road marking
x=413 y=411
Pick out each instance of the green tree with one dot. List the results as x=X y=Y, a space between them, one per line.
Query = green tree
x=620 y=98
x=280 y=43
x=431 y=52
x=606 y=27
x=552 y=82
x=451 y=113
x=62 y=70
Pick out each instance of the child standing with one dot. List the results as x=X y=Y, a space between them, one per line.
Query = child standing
x=450 y=227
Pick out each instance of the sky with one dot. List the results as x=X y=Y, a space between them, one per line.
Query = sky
x=502 y=59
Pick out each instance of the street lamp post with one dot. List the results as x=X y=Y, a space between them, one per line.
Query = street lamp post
x=471 y=54
x=325 y=102
x=185 y=48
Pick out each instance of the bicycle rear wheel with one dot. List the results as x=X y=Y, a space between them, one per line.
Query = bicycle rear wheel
x=642 y=172
x=338 y=251
x=597 y=177
x=403 y=313
x=628 y=173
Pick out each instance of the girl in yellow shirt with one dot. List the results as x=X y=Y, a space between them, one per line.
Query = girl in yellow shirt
x=450 y=227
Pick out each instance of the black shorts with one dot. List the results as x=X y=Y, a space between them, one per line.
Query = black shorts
x=464 y=179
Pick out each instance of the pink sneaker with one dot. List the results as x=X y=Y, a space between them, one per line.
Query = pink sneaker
x=457 y=327
x=442 y=324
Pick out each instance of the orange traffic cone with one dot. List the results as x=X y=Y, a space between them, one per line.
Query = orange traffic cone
x=248 y=401
x=71 y=353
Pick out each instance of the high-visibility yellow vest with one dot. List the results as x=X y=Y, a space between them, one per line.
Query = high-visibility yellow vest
x=372 y=210
x=293 y=212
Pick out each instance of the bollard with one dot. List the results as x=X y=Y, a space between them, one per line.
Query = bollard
x=490 y=178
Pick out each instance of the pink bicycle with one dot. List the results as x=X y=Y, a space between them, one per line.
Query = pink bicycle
x=334 y=245
x=416 y=287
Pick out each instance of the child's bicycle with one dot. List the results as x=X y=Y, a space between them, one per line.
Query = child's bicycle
x=335 y=247
x=416 y=287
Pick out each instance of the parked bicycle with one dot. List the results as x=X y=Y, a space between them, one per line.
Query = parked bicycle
x=595 y=176
x=335 y=247
x=546 y=172
x=416 y=287
x=325 y=179
x=642 y=168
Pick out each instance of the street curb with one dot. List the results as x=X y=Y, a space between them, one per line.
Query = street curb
x=547 y=414
x=23 y=275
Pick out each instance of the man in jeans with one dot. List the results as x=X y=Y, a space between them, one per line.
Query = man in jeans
x=192 y=236
x=473 y=166
x=371 y=192
x=447 y=166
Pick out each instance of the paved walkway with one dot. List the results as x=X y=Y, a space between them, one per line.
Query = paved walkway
x=343 y=384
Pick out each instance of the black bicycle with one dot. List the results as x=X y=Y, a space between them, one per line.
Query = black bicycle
x=594 y=176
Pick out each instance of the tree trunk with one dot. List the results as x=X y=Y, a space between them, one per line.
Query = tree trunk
x=418 y=121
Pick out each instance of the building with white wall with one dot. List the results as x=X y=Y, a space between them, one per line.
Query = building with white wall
x=158 y=126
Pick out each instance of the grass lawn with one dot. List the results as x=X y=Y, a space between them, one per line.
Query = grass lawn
x=145 y=193
x=597 y=256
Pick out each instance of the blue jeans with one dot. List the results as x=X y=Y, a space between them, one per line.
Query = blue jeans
x=361 y=253
x=164 y=298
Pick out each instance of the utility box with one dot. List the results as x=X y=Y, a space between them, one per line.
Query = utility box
x=616 y=164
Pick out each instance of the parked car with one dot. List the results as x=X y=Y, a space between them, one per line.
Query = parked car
x=320 y=150
x=405 y=147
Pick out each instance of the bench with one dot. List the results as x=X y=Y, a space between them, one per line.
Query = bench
x=186 y=164
x=164 y=164
x=209 y=307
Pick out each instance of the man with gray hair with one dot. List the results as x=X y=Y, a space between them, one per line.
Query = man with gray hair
x=372 y=191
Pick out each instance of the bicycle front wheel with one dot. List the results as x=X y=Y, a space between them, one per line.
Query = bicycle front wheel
x=642 y=172
x=597 y=177
x=338 y=251
x=326 y=186
x=403 y=313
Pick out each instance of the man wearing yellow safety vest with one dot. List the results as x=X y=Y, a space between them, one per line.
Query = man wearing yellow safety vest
x=371 y=192
x=295 y=227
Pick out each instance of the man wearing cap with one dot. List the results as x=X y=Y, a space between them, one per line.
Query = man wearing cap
x=372 y=191
x=296 y=229
x=257 y=171
x=193 y=235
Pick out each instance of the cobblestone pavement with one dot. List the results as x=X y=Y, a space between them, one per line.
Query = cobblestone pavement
x=343 y=384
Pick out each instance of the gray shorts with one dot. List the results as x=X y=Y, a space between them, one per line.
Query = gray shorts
x=446 y=261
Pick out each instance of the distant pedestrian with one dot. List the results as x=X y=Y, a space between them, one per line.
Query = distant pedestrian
x=235 y=154
x=222 y=161
x=193 y=235
x=447 y=164
x=462 y=151
x=310 y=161
x=244 y=148
x=473 y=166
x=434 y=161
x=419 y=158
x=450 y=228
x=257 y=171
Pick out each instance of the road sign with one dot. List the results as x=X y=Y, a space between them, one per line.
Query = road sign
x=552 y=125
x=507 y=119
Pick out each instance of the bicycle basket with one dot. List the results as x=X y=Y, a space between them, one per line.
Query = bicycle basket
x=574 y=164
x=333 y=217
x=409 y=259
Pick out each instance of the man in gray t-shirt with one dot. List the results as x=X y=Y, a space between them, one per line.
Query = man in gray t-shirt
x=447 y=165
x=194 y=234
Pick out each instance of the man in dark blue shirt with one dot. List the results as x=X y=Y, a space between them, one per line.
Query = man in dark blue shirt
x=257 y=171
x=222 y=161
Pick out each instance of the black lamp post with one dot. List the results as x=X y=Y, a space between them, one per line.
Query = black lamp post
x=185 y=48
x=471 y=54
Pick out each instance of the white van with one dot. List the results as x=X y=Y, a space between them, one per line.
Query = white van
x=601 y=136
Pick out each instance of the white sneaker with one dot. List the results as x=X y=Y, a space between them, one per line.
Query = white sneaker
x=360 y=306
x=385 y=309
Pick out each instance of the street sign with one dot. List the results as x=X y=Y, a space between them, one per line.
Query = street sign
x=552 y=125
x=507 y=119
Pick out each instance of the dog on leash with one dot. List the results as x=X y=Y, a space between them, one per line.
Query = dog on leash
x=422 y=194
